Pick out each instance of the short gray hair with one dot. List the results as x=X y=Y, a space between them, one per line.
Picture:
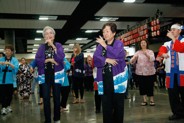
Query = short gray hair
x=46 y=28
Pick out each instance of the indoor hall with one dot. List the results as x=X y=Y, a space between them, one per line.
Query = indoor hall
x=28 y=111
x=22 y=23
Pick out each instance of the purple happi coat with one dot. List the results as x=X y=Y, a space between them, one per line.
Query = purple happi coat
x=120 y=71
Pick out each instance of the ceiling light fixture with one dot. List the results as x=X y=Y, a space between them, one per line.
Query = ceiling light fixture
x=71 y=44
x=48 y=18
x=43 y=18
x=36 y=45
x=129 y=1
x=108 y=19
x=79 y=39
x=91 y=31
x=37 y=39
x=66 y=49
x=39 y=31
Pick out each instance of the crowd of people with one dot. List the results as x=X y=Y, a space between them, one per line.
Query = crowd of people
x=110 y=73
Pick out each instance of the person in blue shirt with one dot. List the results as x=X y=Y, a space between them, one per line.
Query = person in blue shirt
x=65 y=86
x=8 y=68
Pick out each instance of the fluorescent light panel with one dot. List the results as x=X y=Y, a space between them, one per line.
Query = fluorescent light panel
x=129 y=1
x=48 y=18
x=91 y=31
x=36 y=45
x=108 y=19
x=38 y=39
x=78 y=39
x=71 y=44
x=39 y=31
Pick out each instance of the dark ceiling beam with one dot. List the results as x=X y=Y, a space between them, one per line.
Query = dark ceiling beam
x=86 y=9
x=90 y=44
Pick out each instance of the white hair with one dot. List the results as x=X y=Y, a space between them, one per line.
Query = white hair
x=176 y=26
x=46 y=28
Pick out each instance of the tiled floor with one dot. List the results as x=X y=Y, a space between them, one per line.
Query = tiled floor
x=31 y=112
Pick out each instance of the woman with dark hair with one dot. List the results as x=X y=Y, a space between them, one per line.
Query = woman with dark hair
x=2 y=54
x=24 y=78
x=145 y=72
x=89 y=73
x=8 y=69
x=112 y=74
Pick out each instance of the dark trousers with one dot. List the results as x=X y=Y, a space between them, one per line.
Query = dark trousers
x=65 y=90
x=89 y=83
x=161 y=78
x=46 y=88
x=6 y=92
x=146 y=84
x=97 y=101
x=113 y=108
x=176 y=98
x=78 y=85
x=40 y=91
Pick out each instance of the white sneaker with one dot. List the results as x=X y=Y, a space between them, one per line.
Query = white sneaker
x=8 y=109
x=3 y=111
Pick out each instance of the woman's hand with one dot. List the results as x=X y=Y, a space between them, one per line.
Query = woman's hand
x=111 y=61
x=165 y=55
x=51 y=60
x=101 y=41
x=50 y=42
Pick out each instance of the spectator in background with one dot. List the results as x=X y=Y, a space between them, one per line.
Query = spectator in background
x=65 y=86
x=49 y=60
x=1 y=55
x=77 y=62
x=145 y=72
x=35 y=74
x=161 y=73
x=173 y=54
x=112 y=74
x=24 y=78
x=8 y=69
x=89 y=73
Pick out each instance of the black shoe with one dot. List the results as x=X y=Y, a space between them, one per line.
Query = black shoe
x=174 y=117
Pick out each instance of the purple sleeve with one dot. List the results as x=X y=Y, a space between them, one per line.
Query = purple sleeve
x=99 y=60
x=116 y=51
x=59 y=56
x=40 y=57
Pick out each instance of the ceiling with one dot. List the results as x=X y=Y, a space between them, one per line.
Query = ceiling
x=74 y=17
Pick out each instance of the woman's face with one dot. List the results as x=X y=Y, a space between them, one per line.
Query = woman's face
x=8 y=52
x=23 y=61
x=49 y=35
x=89 y=60
x=108 y=34
x=143 y=44
x=75 y=50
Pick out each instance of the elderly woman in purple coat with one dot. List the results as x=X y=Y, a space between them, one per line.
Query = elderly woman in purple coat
x=109 y=58
x=49 y=60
